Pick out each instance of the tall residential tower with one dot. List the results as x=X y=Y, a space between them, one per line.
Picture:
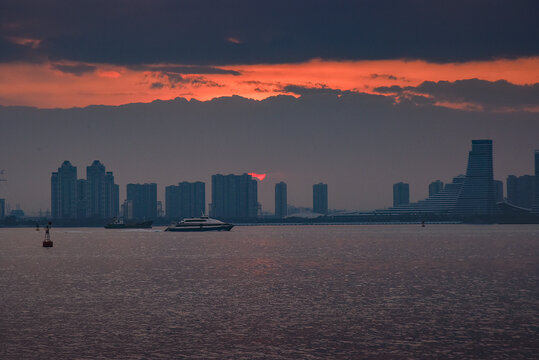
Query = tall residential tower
x=401 y=194
x=320 y=198
x=280 y=200
x=144 y=200
x=187 y=199
x=64 y=192
x=234 y=196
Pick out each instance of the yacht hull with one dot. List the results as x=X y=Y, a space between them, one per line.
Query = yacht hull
x=224 y=227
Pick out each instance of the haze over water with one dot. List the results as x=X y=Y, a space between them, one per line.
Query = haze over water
x=283 y=292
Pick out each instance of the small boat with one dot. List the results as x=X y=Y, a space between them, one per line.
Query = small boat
x=47 y=242
x=119 y=224
x=202 y=223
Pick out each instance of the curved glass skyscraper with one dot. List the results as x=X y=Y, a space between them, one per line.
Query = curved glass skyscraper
x=470 y=194
x=477 y=193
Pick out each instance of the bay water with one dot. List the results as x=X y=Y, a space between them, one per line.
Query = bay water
x=272 y=292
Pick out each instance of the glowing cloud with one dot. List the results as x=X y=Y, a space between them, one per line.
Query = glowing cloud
x=33 y=43
x=109 y=74
x=260 y=177
x=47 y=84
x=233 y=40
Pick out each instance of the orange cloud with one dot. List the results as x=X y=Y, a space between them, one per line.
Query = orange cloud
x=33 y=43
x=41 y=86
x=233 y=40
x=109 y=74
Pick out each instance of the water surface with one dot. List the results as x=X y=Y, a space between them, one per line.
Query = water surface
x=272 y=292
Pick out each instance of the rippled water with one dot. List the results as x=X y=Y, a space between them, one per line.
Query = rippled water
x=272 y=292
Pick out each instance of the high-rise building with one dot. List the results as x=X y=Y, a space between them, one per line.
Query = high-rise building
x=470 y=194
x=127 y=210
x=320 y=198
x=112 y=196
x=97 y=196
x=64 y=192
x=144 y=198
x=102 y=195
x=477 y=194
x=498 y=191
x=82 y=198
x=521 y=190
x=535 y=206
x=172 y=201
x=401 y=194
x=234 y=196
x=435 y=187
x=187 y=199
x=2 y=208
x=280 y=200
x=512 y=189
x=439 y=203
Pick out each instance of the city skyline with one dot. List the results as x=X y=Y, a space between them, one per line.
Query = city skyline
x=236 y=196
x=509 y=189
x=358 y=95
x=368 y=173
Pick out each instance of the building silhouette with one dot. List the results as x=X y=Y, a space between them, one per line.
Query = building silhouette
x=442 y=202
x=187 y=199
x=281 y=206
x=97 y=196
x=498 y=191
x=144 y=200
x=521 y=190
x=102 y=195
x=234 y=196
x=64 y=192
x=535 y=206
x=477 y=194
x=127 y=210
x=435 y=187
x=82 y=198
x=470 y=194
x=320 y=198
x=401 y=194
x=2 y=208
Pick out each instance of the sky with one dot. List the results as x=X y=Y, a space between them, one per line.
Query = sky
x=357 y=94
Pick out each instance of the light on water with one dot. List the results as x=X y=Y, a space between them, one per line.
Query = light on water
x=281 y=292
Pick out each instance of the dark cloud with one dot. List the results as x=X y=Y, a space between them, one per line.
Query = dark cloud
x=383 y=76
x=157 y=85
x=10 y=51
x=175 y=79
x=78 y=69
x=184 y=69
x=395 y=89
x=245 y=32
x=317 y=90
x=487 y=95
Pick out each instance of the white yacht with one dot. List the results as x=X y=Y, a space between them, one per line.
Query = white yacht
x=202 y=223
